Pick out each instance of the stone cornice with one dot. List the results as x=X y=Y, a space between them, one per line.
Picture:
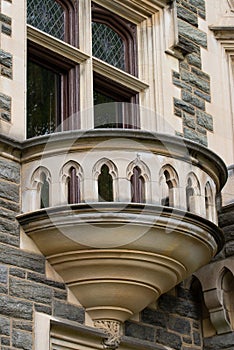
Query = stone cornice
x=165 y=144
x=223 y=32
x=134 y=10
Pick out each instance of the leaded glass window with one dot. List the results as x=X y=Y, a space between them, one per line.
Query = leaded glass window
x=73 y=187
x=108 y=45
x=48 y=16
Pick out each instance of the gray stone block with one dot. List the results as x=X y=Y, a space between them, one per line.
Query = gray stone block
x=139 y=331
x=5 y=59
x=5 y=326
x=167 y=338
x=9 y=191
x=191 y=33
x=194 y=60
x=5 y=102
x=195 y=81
x=189 y=121
x=9 y=239
x=3 y=274
x=17 y=257
x=30 y=291
x=68 y=311
x=23 y=325
x=199 y=4
x=154 y=317
x=22 y=340
x=10 y=171
x=187 y=16
x=195 y=101
x=15 y=308
x=205 y=120
x=186 y=107
x=179 y=325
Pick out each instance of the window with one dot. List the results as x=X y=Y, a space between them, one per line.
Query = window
x=114 y=105
x=55 y=79
x=114 y=39
x=137 y=186
x=189 y=194
x=105 y=185
x=40 y=183
x=53 y=17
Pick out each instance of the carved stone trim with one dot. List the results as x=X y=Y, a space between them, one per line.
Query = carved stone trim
x=231 y=5
x=113 y=331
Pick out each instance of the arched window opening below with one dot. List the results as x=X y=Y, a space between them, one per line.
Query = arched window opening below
x=105 y=185
x=44 y=202
x=73 y=187
x=137 y=186
x=208 y=202
x=189 y=196
x=167 y=190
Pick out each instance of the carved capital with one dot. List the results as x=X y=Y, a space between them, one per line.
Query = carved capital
x=112 y=330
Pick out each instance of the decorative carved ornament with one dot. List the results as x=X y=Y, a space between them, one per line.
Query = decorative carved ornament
x=231 y=5
x=112 y=330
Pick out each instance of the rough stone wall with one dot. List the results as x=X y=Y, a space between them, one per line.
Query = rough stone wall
x=6 y=67
x=191 y=79
x=24 y=287
x=175 y=323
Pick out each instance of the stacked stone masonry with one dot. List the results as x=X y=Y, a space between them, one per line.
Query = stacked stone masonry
x=193 y=82
x=24 y=287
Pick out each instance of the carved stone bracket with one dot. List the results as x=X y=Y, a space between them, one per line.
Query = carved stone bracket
x=113 y=331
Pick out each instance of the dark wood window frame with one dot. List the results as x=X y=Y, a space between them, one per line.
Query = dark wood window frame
x=125 y=29
x=120 y=93
x=69 y=73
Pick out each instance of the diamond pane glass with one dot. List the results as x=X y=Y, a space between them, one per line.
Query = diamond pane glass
x=107 y=45
x=46 y=15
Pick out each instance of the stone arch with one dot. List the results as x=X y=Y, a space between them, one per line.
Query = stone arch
x=138 y=174
x=41 y=185
x=209 y=201
x=169 y=183
x=72 y=177
x=193 y=193
x=112 y=182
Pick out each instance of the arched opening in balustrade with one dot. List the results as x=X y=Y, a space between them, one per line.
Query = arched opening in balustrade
x=72 y=175
x=105 y=185
x=209 y=202
x=137 y=186
x=41 y=184
x=169 y=182
x=193 y=194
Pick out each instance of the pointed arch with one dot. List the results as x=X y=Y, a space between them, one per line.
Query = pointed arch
x=193 y=192
x=72 y=177
x=209 y=201
x=138 y=174
x=105 y=176
x=169 y=183
x=41 y=182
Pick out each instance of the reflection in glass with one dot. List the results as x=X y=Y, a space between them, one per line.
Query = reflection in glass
x=108 y=46
x=42 y=100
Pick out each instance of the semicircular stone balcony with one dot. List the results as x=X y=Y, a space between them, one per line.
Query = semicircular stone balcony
x=121 y=215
